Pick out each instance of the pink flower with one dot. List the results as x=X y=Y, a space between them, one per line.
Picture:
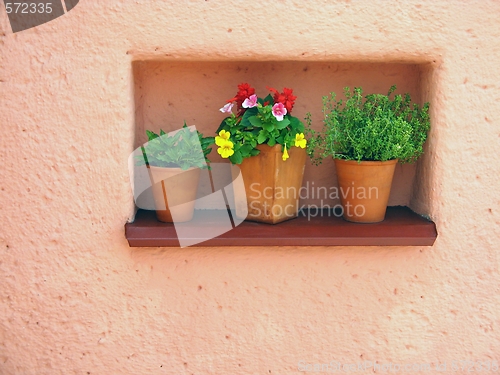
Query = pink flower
x=287 y=98
x=250 y=102
x=244 y=91
x=227 y=108
x=279 y=111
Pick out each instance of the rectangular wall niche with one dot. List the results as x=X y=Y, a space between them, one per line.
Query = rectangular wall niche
x=169 y=93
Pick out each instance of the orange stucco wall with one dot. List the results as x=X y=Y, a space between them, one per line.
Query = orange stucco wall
x=75 y=299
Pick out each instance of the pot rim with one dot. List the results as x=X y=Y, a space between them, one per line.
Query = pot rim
x=367 y=162
x=276 y=148
x=172 y=168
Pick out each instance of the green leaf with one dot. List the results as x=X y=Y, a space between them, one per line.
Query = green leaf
x=236 y=158
x=245 y=120
x=271 y=142
x=296 y=125
x=151 y=135
x=282 y=124
x=262 y=136
x=255 y=121
x=245 y=149
x=268 y=126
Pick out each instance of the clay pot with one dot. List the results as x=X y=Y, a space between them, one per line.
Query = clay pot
x=364 y=188
x=174 y=192
x=272 y=186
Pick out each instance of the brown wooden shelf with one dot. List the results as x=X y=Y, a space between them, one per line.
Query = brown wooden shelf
x=401 y=227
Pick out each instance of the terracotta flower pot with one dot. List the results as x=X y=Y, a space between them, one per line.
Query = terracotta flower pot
x=272 y=185
x=364 y=189
x=174 y=192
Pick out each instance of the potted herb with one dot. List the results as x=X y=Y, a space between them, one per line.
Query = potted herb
x=268 y=145
x=174 y=162
x=367 y=136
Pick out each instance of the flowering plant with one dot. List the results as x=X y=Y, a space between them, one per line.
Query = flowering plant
x=258 y=121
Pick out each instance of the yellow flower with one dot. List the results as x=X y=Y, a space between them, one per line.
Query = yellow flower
x=225 y=149
x=300 y=141
x=222 y=137
x=285 y=154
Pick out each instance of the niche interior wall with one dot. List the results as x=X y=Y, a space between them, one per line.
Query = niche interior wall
x=168 y=93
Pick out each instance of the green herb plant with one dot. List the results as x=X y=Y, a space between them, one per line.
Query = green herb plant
x=373 y=128
x=180 y=150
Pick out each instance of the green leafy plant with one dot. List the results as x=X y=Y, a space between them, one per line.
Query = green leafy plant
x=258 y=121
x=370 y=128
x=180 y=150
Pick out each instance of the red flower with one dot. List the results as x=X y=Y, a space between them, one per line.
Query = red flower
x=244 y=92
x=286 y=98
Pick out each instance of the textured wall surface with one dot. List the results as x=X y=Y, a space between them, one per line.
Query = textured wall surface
x=75 y=299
